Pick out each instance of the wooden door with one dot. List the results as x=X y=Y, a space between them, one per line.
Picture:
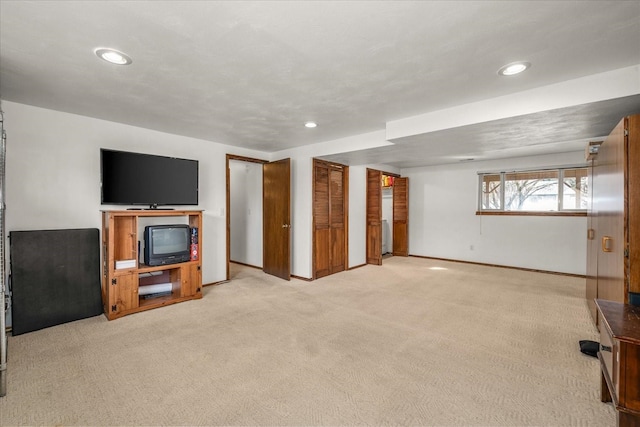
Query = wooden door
x=608 y=203
x=401 y=216
x=276 y=195
x=374 y=217
x=329 y=218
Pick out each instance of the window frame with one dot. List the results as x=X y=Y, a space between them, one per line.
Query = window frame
x=560 y=211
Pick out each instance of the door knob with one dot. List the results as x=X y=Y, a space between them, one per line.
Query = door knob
x=607 y=244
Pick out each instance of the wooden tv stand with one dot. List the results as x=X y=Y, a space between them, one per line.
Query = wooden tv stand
x=135 y=287
x=620 y=359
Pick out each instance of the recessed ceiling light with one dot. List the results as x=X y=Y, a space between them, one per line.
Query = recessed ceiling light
x=113 y=56
x=513 y=68
x=310 y=124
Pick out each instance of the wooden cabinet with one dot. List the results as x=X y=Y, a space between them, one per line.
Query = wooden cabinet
x=619 y=357
x=592 y=247
x=613 y=246
x=129 y=286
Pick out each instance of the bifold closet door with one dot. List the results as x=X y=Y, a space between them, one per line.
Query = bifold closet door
x=337 y=220
x=329 y=218
x=321 y=227
x=401 y=216
x=374 y=217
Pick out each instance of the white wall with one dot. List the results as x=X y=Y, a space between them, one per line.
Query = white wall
x=443 y=223
x=53 y=179
x=53 y=176
x=358 y=211
x=245 y=214
x=53 y=173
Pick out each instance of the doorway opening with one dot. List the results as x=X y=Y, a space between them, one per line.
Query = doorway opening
x=244 y=212
x=258 y=214
x=387 y=215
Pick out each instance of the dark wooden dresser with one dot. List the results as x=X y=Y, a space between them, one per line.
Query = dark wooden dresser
x=619 y=357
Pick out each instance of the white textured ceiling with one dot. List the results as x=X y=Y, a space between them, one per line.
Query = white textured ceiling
x=251 y=73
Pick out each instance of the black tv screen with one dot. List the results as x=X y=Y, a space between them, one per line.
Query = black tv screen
x=145 y=179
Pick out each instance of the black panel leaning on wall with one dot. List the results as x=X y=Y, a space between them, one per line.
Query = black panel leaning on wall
x=55 y=277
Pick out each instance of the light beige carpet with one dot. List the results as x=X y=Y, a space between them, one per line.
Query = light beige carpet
x=412 y=342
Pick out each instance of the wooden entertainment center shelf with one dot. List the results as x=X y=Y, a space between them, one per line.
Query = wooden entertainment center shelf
x=134 y=286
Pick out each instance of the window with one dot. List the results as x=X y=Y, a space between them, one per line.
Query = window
x=548 y=190
x=576 y=190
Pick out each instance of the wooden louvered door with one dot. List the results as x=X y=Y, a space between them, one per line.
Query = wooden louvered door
x=321 y=230
x=374 y=217
x=329 y=218
x=401 y=216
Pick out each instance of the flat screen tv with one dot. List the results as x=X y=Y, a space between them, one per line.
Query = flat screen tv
x=166 y=244
x=144 y=179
